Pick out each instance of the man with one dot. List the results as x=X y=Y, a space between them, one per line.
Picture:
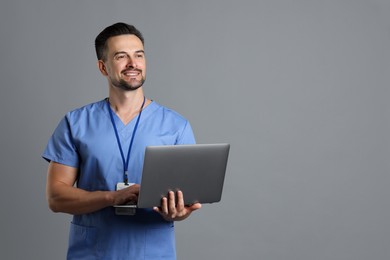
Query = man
x=100 y=146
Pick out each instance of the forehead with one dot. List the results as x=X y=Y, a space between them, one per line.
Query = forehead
x=127 y=43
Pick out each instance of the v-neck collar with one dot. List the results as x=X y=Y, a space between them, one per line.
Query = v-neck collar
x=148 y=110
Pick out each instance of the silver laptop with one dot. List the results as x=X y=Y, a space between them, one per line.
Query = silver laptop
x=197 y=170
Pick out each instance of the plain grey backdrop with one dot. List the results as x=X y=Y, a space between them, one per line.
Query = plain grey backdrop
x=299 y=88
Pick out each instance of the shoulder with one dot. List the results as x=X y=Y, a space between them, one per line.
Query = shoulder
x=168 y=121
x=167 y=113
x=86 y=110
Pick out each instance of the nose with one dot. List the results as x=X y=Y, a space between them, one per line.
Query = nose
x=130 y=63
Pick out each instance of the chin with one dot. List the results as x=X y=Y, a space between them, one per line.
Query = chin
x=129 y=87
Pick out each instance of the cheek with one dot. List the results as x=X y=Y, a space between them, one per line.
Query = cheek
x=143 y=67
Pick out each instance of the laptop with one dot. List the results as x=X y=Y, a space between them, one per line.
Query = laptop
x=197 y=170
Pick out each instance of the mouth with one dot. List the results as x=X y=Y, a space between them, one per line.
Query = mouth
x=131 y=73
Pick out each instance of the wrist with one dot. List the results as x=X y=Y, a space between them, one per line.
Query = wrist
x=109 y=198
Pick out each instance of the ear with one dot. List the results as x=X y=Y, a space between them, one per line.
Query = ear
x=102 y=67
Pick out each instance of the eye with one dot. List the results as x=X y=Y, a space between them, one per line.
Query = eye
x=120 y=56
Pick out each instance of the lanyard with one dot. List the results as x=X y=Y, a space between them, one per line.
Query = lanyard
x=125 y=162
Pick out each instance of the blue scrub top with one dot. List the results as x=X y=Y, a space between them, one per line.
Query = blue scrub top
x=85 y=139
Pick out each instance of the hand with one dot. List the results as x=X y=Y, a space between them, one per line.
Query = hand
x=126 y=195
x=171 y=211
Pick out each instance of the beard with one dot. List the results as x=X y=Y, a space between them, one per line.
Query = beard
x=128 y=86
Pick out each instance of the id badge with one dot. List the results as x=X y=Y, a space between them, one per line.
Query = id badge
x=122 y=185
x=126 y=209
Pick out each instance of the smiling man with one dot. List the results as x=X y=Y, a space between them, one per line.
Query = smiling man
x=99 y=147
x=125 y=57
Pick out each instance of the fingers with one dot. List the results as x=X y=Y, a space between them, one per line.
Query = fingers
x=167 y=209
x=134 y=189
x=196 y=206
x=164 y=206
x=131 y=193
x=126 y=195
x=180 y=201
x=173 y=207
x=172 y=204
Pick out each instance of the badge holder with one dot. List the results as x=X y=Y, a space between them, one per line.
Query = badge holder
x=127 y=209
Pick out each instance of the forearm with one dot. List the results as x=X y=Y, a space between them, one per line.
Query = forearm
x=76 y=201
x=63 y=196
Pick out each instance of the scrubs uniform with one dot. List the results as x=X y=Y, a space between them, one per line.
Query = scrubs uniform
x=85 y=139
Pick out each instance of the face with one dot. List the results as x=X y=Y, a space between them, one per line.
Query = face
x=125 y=64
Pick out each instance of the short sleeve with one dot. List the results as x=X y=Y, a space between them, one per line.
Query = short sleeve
x=187 y=135
x=61 y=147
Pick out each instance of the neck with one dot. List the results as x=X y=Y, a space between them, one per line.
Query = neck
x=125 y=102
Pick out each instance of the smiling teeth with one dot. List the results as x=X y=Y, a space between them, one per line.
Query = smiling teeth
x=131 y=74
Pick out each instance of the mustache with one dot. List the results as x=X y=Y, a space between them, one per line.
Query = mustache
x=131 y=69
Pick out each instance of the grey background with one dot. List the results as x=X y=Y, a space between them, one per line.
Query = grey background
x=299 y=88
